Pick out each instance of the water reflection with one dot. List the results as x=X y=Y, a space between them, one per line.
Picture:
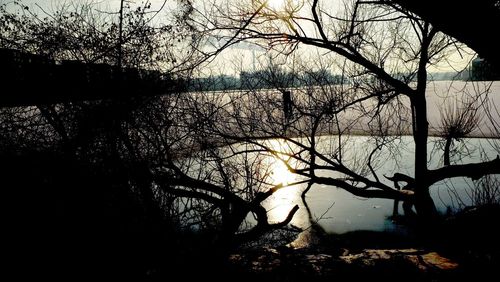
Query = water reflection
x=332 y=209
x=283 y=200
x=281 y=203
x=337 y=211
x=280 y=174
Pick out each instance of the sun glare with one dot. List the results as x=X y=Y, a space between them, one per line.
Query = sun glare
x=283 y=200
x=276 y=4
x=281 y=174
x=281 y=203
x=278 y=170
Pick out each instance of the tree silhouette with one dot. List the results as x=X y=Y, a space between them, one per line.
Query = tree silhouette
x=388 y=50
x=152 y=147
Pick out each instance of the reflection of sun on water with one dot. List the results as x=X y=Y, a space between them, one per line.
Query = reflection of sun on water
x=278 y=169
x=281 y=203
x=281 y=174
x=282 y=200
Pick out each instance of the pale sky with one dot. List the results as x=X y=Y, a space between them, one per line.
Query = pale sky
x=233 y=59
x=48 y=4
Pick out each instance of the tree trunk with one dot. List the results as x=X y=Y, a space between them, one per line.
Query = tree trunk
x=395 y=208
x=232 y=217
x=447 y=151
x=120 y=36
x=424 y=204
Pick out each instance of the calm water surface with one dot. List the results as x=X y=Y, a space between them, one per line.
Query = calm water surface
x=338 y=211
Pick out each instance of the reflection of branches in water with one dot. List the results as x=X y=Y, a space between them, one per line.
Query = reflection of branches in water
x=487 y=190
x=314 y=222
x=313 y=234
x=322 y=216
x=484 y=191
x=456 y=201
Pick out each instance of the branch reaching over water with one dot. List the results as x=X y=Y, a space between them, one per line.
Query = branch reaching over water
x=263 y=227
x=472 y=170
x=362 y=192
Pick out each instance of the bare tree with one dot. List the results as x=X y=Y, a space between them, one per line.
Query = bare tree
x=130 y=37
x=212 y=182
x=388 y=50
x=458 y=121
x=157 y=148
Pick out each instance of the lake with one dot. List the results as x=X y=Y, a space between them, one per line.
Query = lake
x=338 y=211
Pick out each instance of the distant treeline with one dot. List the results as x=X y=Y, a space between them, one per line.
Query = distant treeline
x=277 y=79
x=262 y=79
x=478 y=70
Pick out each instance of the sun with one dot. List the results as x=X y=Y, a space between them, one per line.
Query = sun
x=276 y=4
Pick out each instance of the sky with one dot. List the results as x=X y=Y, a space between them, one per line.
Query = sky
x=242 y=56
x=48 y=4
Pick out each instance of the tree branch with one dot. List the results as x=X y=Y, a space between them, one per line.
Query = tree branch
x=263 y=227
x=473 y=171
x=361 y=192
x=359 y=59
